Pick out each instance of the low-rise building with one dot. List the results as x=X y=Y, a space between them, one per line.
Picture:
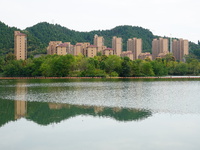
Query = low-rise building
x=127 y=54
x=51 y=49
x=144 y=56
x=91 y=51
x=61 y=49
x=108 y=51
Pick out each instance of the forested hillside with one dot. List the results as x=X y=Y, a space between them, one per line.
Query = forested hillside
x=46 y=32
x=6 y=39
x=40 y=34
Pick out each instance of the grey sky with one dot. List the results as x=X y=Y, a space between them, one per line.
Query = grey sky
x=180 y=18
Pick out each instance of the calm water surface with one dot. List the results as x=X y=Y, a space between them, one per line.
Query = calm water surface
x=99 y=114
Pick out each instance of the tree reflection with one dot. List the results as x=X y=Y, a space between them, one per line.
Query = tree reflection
x=44 y=113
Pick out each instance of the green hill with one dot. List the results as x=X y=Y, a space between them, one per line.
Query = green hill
x=40 y=34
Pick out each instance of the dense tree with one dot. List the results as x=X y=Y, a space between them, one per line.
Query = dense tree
x=58 y=66
x=159 y=68
x=99 y=66
x=194 y=67
x=113 y=64
x=147 y=69
x=136 y=68
x=181 y=69
x=126 y=67
x=13 y=69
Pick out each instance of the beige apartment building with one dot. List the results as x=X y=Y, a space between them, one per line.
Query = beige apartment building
x=180 y=48
x=61 y=49
x=99 y=43
x=135 y=46
x=159 y=48
x=144 y=56
x=117 y=45
x=78 y=49
x=20 y=45
x=51 y=49
x=91 y=51
x=69 y=48
x=84 y=47
x=127 y=54
x=108 y=51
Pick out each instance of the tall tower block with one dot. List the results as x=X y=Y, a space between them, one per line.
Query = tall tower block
x=135 y=46
x=117 y=45
x=20 y=45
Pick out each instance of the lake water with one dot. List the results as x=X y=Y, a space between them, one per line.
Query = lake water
x=98 y=114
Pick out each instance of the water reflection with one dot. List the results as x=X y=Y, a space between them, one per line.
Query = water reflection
x=45 y=113
x=20 y=105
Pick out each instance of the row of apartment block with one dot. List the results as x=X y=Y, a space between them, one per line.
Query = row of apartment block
x=160 y=48
x=134 y=48
x=179 y=49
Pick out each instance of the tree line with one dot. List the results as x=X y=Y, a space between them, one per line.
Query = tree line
x=99 y=66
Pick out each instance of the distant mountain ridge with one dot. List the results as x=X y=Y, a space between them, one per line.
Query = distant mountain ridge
x=41 y=34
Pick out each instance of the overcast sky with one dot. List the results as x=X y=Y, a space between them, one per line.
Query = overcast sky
x=178 y=18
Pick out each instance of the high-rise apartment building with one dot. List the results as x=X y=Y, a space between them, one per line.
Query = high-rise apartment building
x=99 y=43
x=159 y=47
x=51 y=49
x=20 y=45
x=180 y=48
x=135 y=46
x=117 y=45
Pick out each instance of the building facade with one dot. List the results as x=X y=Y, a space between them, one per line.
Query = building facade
x=144 y=56
x=127 y=54
x=61 y=49
x=108 y=51
x=20 y=45
x=91 y=51
x=180 y=48
x=117 y=45
x=135 y=46
x=99 y=43
x=159 y=46
x=51 y=49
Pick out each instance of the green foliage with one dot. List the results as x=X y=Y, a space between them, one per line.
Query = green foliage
x=57 y=66
x=159 y=68
x=99 y=66
x=13 y=69
x=181 y=69
x=126 y=67
x=147 y=69
x=112 y=63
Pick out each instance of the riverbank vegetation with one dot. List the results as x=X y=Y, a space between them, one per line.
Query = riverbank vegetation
x=99 y=66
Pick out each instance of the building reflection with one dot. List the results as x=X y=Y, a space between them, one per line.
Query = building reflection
x=20 y=100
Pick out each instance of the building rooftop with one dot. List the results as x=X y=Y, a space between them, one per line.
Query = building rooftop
x=109 y=49
x=63 y=45
x=92 y=46
x=21 y=34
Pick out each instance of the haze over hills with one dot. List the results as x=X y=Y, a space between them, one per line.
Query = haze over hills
x=42 y=33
